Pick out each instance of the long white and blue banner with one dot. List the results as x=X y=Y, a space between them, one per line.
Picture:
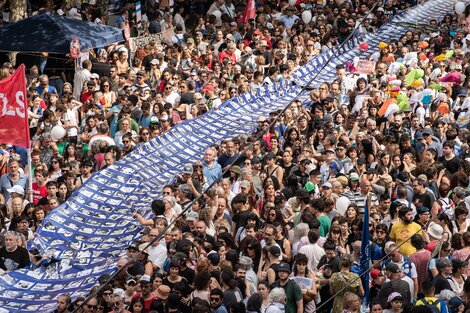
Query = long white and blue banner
x=95 y=226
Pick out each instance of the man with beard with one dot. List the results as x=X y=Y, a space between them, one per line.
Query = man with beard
x=404 y=229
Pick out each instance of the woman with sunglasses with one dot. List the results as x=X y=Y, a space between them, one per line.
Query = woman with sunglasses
x=144 y=135
x=55 y=170
x=108 y=94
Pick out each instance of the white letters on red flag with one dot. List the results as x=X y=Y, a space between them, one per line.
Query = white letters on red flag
x=14 y=126
x=250 y=11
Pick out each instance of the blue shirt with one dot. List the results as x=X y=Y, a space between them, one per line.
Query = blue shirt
x=211 y=173
x=6 y=183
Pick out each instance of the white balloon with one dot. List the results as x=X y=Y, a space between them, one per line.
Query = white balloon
x=306 y=16
x=292 y=2
x=217 y=14
x=57 y=133
x=460 y=7
x=342 y=204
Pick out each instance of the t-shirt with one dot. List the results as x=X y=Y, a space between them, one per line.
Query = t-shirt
x=39 y=192
x=425 y=199
x=451 y=165
x=147 y=303
x=10 y=261
x=401 y=232
x=325 y=225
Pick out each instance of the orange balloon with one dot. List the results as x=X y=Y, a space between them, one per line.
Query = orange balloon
x=422 y=57
x=385 y=106
x=423 y=44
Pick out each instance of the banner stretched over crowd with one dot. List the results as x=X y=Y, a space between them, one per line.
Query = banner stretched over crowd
x=95 y=225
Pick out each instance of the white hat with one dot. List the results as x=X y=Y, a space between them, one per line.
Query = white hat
x=435 y=230
x=155 y=62
x=120 y=292
x=94 y=75
x=17 y=189
x=60 y=12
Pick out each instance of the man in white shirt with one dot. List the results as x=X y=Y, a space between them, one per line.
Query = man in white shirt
x=313 y=251
x=157 y=252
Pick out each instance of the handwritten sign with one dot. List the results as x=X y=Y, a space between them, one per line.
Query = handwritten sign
x=365 y=67
x=141 y=41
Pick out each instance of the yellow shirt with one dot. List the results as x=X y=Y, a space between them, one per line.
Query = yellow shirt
x=401 y=232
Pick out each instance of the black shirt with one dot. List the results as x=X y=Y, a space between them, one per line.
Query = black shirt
x=10 y=261
x=441 y=283
x=451 y=165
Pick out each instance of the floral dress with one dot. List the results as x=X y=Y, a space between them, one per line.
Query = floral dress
x=340 y=280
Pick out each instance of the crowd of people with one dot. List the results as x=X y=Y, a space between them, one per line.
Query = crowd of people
x=276 y=217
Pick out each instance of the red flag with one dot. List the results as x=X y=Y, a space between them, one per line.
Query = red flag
x=14 y=126
x=250 y=11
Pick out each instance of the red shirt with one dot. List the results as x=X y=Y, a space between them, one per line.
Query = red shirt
x=38 y=192
x=147 y=303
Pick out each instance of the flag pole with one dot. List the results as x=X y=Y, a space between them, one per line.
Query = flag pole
x=30 y=180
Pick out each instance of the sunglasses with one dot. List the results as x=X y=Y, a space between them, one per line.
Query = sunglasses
x=145 y=134
x=93 y=307
x=215 y=299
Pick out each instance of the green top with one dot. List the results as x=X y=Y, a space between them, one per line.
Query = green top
x=325 y=224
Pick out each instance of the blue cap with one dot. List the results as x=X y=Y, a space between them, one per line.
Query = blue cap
x=418 y=136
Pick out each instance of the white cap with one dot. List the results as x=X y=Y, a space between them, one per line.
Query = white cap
x=94 y=75
x=17 y=189
x=60 y=12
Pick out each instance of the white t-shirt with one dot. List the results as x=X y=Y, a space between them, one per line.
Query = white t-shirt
x=71 y=117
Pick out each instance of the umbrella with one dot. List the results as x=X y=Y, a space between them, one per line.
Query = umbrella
x=53 y=33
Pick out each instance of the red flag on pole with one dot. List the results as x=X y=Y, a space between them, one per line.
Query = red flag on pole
x=14 y=126
x=250 y=11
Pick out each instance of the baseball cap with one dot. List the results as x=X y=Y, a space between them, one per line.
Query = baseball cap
x=192 y=216
x=255 y=160
x=208 y=88
x=17 y=189
x=188 y=169
x=145 y=279
x=422 y=209
x=327 y=185
x=155 y=62
x=270 y=155
x=275 y=251
x=354 y=176
x=190 y=41
x=284 y=267
x=309 y=186
x=131 y=281
x=133 y=246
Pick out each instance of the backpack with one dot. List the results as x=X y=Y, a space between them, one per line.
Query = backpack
x=432 y=306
